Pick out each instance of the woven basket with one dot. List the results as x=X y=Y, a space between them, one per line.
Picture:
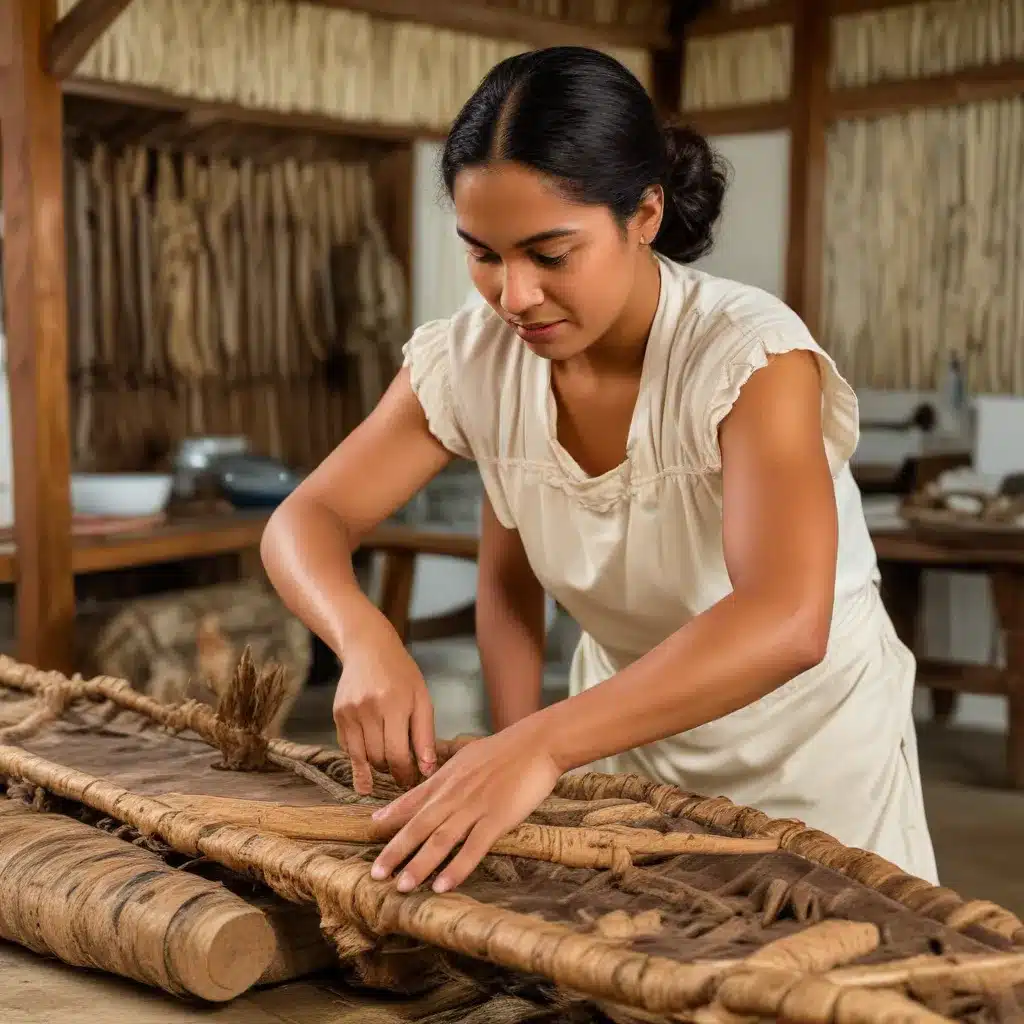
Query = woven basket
x=965 y=518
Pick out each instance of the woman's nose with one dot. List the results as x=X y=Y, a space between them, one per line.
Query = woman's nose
x=521 y=291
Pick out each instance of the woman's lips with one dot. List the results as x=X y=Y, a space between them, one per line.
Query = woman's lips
x=538 y=331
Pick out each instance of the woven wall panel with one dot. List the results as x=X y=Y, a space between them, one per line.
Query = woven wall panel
x=925 y=39
x=925 y=246
x=294 y=56
x=737 y=68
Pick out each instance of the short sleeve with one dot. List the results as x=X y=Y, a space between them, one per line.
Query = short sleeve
x=743 y=348
x=427 y=354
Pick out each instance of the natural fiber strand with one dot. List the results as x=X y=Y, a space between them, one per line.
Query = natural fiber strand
x=608 y=847
x=867 y=868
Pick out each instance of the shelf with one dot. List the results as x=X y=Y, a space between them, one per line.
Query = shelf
x=194 y=116
x=205 y=536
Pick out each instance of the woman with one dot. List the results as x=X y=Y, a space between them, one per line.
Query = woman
x=664 y=452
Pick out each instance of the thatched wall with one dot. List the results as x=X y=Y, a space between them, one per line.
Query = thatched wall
x=925 y=39
x=302 y=57
x=224 y=297
x=737 y=68
x=924 y=219
x=924 y=231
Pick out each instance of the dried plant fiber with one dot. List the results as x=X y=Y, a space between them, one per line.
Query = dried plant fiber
x=924 y=254
x=70 y=891
x=924 y=40
x=290 y=56
x=796 y=927
x=737 y=68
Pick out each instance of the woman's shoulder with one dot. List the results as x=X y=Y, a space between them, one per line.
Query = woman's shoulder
x=726 y=332
x=714 y=310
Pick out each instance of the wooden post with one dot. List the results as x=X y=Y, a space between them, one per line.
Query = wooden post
x=31 y=124
x=807 y=162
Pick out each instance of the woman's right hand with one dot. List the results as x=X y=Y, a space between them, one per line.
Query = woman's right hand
x=382 y=708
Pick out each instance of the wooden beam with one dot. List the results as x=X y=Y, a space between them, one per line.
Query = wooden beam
x=841 y=7
x=76 y=33
x=715 y=23
x=205 y=113
x=35 y=285
x=757 y=117
x=476 y=18
x=667 y=68
x=807 y=163
x=971 y=85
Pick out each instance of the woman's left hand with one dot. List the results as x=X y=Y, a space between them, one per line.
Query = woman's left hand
x=487 y=788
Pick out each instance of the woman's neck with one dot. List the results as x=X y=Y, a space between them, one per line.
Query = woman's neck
x=620 y=350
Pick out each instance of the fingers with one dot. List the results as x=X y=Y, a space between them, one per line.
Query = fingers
x=477 y=845
x=362 y=776
x=432 y=840
x=393 y=816
x=421 y=728
x=397 y=751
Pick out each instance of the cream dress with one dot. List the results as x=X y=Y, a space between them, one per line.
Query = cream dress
x=636 y=552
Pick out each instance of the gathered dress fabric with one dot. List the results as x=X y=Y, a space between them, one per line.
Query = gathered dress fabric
x=635 y=553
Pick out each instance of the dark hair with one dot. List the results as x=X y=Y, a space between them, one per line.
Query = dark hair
x=583 y=119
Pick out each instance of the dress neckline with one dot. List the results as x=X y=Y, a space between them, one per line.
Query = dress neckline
x=568 y=464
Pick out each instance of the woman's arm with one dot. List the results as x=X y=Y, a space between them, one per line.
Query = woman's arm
x=509 y=623
x=780 y=537
x=307 y=551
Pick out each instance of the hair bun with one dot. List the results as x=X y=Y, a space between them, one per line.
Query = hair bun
x=696 y=178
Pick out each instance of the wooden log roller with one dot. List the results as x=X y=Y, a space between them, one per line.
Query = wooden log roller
x=70 y=891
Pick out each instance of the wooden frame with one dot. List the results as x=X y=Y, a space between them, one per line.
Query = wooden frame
x=37 y=51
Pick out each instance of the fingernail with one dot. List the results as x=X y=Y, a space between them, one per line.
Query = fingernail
x=442 y=885
x=378 y=814
x=378 y=872
x=405 y=883
x=427 y=767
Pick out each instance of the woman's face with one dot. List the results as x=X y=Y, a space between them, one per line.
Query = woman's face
x=561 y=273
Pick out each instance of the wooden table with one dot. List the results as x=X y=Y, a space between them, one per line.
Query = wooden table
x=903 y=560
x=233 y=533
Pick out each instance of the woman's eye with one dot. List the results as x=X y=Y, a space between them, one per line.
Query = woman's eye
x=484 y=257
x=550 y=261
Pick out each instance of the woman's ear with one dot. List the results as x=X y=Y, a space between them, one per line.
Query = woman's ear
x=647 y=219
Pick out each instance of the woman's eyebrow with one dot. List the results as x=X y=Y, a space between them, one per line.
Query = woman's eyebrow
x=541 y=236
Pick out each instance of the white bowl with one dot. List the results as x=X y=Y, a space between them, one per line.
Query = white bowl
x=120 y=494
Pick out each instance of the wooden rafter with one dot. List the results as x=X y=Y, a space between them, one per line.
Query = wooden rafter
x=757 y=117
x=477 y=18
x=76 y=33
x=36 y=327
x=839 y=7
x=775 y=12
x=969 y=85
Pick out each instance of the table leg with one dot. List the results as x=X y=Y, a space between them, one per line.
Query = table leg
x=399 y=573
x=901 y=593
x=1008 y=592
